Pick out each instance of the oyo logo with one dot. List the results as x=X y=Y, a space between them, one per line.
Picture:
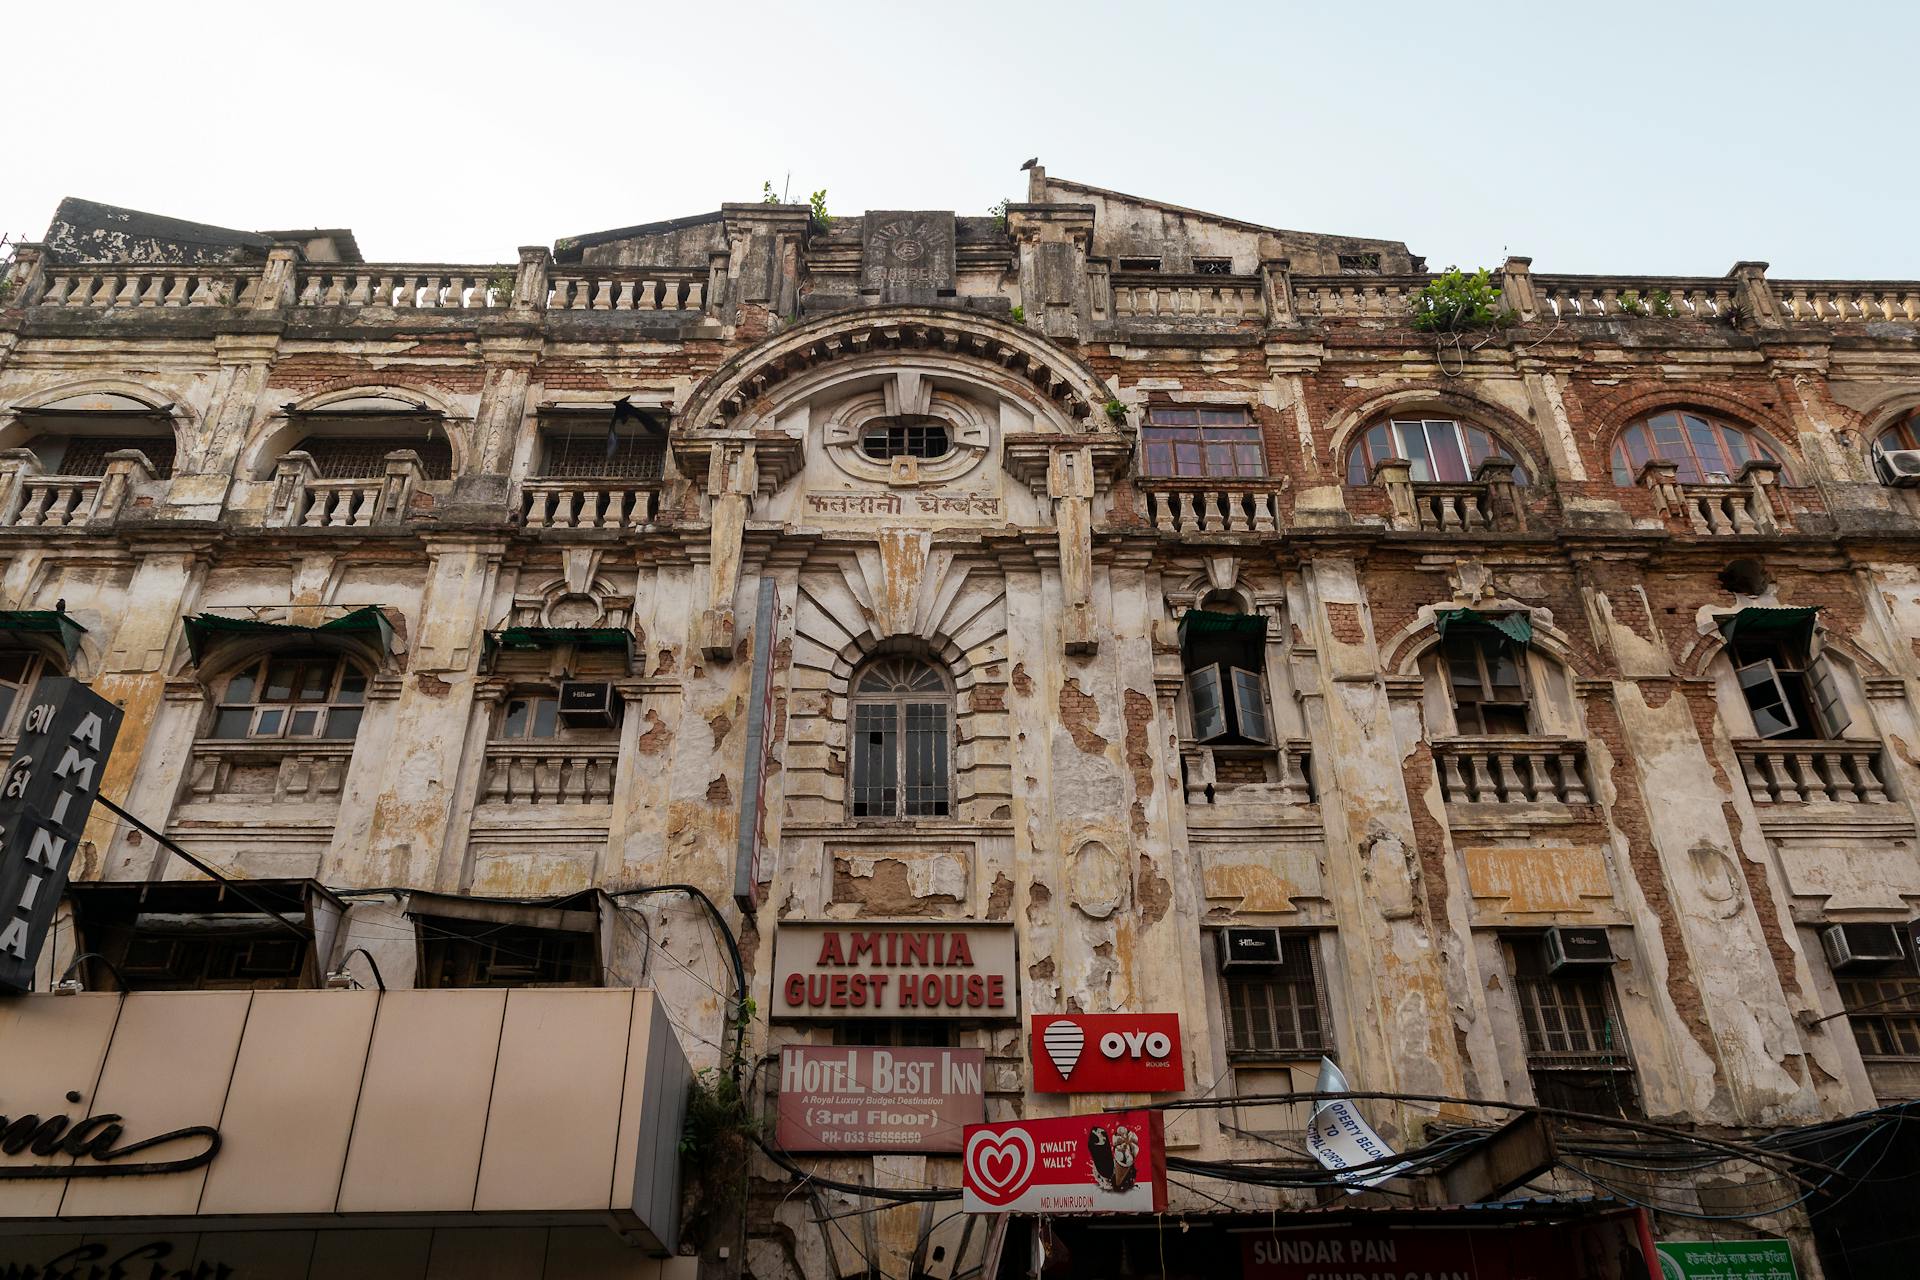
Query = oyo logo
x=1135 y=1044
x=1000 y=1165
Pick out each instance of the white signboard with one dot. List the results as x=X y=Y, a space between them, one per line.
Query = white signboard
x=1340 y=1137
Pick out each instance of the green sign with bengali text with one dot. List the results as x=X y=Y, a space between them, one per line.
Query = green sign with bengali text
x=1726 y=1260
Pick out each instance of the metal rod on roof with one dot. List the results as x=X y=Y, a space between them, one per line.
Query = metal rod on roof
x=196 y=863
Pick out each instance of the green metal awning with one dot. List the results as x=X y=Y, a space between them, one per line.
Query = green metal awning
x=1516 y=627
x=204 y=628
x=45 y=622
x=1200 y=622
x=1757 y=621
x=524 y=639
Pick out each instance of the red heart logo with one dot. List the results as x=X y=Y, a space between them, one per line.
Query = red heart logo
x=999 y=1166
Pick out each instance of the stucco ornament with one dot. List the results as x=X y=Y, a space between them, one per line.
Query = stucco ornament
x=1097 y=881
x=1718 y=878
x=1388 y=868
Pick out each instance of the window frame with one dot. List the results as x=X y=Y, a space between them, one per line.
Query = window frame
x=1299 y=949
x=1587 y=991
x=13 y=694
x=1201 y=442
x=1820 y=710
x=1385 y=437
x=1902 y=430
x=1873 y=1002
x=458 y=953
x=1481 y=641
x=1689 y=436
x=910 y=428
x=333 y=702
x=897 y=705
x=1215 y=266
x=637 y=457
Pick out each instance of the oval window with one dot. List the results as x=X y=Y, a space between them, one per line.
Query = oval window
x=923 y=438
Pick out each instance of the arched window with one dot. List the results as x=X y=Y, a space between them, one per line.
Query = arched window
x=364 y=457
x=902 y=716
x=73 y=436
x=1704 y=450
x=1902 y=433
x=292 y=695
x=20 y=670
x=1442 y=450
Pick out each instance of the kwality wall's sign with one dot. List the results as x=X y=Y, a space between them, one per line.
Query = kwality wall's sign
x=1107 y=1053
x=46 y=794
x=904 y=970
x=872 y=1099
x=1111 y=1163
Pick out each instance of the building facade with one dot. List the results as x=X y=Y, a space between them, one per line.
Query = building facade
x=1096 y=607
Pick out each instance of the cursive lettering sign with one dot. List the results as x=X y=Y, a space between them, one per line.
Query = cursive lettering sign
x=92 y=1142
x=150 y=1261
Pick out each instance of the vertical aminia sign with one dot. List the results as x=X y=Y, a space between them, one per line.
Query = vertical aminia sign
x=45 y=797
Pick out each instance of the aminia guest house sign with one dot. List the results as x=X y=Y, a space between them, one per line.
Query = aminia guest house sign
x=894 y=971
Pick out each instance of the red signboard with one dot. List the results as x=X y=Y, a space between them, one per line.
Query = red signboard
x=1608 y=1248
x=862 y=1099
x=1108 y=1053
x=1111 y=1163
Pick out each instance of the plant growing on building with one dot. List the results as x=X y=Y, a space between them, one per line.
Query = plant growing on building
x=1019 y=314
x=718 y=1134
x=500 y=284
x=767 y=195
x=1116 y=413
x=999 y=212
x=818 y=203
x=1454 y=301
x=1655 y=302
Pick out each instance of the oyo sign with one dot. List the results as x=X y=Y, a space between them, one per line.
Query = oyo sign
x=1112 y=1163
x=1108 y=1053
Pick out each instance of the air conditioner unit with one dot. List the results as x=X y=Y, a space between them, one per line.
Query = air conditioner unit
x=1853 y=946
x=1898 y=467
x=586 y=704
x=1249 y=949
x=1573 y=948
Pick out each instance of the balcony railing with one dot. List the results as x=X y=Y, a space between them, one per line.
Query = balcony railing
x=32 y=500
x=1720 y=508
x=589 y=504
x=119 y=287
x=268 y=770
x=1249 y=774
x=1150 y=295
x=1841 y=302
x=1512 y=770
x=1812 y=771
x=302 y=500
x=403 y=286
x=1619 y=298
x=548 y=773
x=627 y=289
x=1356 y=297
x=1490 y=501
x=1211 y=506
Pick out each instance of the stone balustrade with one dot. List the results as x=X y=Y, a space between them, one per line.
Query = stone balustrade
x=1744 y=505
x=1491 y=501
x=1811 y=771
x=627 y=289
x=549 y=773
x=1618 y=298
x=123 y=287
x=301 y=499
x=55 y=502
x=1150 y=295
x=274 y=770
x=1841 y=302
x=1512 y=770
x=402 y=286
x=1249 y=774
x=1211 y=506
x=30 y=499
x=589 y=503
x=1356 y=297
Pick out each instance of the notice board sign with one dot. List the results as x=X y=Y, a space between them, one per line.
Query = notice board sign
x=1107 y=1053
x=66 y=735
x=854 y=1098
x=1109 y=1163
x=1726 y=1260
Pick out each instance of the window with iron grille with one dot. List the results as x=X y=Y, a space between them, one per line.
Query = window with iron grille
x=1577 y=1051
x=902 y=714
x=1213 y=266
x=480 y=953
x=582 y=452
x=313 y=695
x=906 y=437
x=1359 y=264
x=87 y=455
x=1182 y=442
x=1277 y=1010
x=1883 y=1007
x=365 y=457
x=1139 y=264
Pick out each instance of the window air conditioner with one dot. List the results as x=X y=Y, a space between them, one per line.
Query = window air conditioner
x=1852 y=946
x=1898 y=467
x=1572 y=948
x=586 y=704
x=1249 y=949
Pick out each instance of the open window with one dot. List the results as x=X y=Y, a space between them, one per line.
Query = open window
x=1224 y=654
x=1791 y=691
x=72 y=437
x=582 y=444
x=204 y=935
x=1483 y=659
x=350 y=439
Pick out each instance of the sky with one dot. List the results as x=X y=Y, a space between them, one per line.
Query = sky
x=1669 y=138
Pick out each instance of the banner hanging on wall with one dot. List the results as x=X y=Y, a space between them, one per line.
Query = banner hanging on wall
x=1110 y=1163
x=1107 y=1053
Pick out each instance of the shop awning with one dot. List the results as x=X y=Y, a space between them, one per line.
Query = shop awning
x=1516 y=627
x=45 y=622
x=1200 y=622
x=363 y=623
x=1793 y=625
